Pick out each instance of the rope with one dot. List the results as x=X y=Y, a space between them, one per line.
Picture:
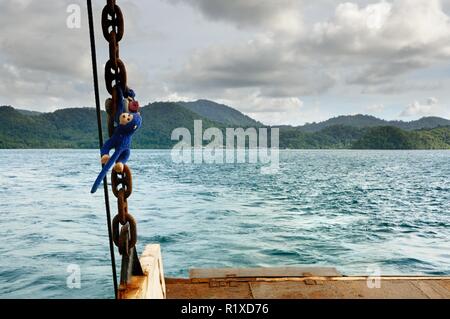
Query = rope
x=100 y=139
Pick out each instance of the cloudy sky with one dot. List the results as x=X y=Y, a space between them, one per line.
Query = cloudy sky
x=279 y=61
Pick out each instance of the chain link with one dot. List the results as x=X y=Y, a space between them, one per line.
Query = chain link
x=122 y=181
x=124 y=226
x=113 y=30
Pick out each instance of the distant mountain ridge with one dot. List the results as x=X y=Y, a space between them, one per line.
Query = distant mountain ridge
x=77 y=128
x=227 y=115
x=220 y=113
x=364 y=121
x=390 y=137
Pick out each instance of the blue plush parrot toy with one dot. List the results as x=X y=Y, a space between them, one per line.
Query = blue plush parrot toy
x=128 y=122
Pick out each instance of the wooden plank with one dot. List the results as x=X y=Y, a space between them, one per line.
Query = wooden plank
x=309 y=288
x=441 y=280
x=263 y=272
x=151 y=262
x=152 y=284
x=430 y=290
x=444 y=284
x=240 y=290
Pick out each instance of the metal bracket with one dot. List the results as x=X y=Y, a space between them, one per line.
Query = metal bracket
x=131 y=266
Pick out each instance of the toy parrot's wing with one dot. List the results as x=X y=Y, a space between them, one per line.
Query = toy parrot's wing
x=105 y=170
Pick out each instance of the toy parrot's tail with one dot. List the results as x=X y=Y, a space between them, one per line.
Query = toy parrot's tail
x=105 y=171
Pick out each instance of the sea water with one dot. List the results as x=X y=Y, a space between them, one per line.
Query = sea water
x=353 y=210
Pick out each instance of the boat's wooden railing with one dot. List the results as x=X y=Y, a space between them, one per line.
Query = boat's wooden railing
x=152 y=284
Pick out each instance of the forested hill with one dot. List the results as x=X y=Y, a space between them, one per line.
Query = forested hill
x=77 y=128
x=220 y=113
x=365 y=121
x=383 y=137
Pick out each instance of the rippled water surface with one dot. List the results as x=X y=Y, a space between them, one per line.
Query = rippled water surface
x=348 y=209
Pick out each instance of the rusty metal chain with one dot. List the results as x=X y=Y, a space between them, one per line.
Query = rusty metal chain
x=113 y=29
x=122 y=189
x=124 y=230
x=115 y=71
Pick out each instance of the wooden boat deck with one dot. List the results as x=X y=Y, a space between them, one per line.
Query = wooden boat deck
x=308 y=288
x=275 y=283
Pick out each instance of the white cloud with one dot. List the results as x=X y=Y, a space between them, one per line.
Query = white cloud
x=44 y=65
x=265 y=65
x=256 y=104
x=392 y=88
x=375 y=108
x=430 y=107
x=371 y=46
x=386 y=28
x=432 y=101
x=41 y=60
x=381 y=42
x=276 y=111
